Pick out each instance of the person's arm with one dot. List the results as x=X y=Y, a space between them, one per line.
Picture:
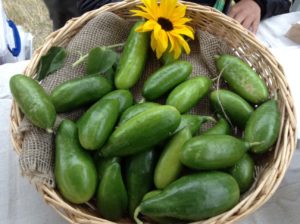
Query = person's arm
x=250 y=12
x=247 y=13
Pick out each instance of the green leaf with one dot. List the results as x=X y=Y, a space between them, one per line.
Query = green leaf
x=51 y=62
x=100 y=60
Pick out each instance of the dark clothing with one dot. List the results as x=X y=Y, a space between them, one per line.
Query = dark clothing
x=273 y=7
x=88 y=5
x=268 y=7
x=61 y=11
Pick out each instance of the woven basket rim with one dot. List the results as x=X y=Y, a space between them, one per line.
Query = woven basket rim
x=248 y=204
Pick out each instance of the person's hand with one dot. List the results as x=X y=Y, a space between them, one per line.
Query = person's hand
x=247 y=13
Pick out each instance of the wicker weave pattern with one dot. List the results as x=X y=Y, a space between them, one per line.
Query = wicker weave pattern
x=248 y=48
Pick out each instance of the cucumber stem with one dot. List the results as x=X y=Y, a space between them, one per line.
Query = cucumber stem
x=215 y=78
x=251 y=144
x=49 y=130
x=80 y=60
x=136 y=214
x=143 y=100
x=115 y=45
x=218 y=97
x=208 y=118
x=216 y=56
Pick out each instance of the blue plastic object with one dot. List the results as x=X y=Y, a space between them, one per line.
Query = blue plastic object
x=17 y=49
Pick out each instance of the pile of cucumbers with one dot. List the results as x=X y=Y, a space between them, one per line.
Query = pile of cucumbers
x=148 y=160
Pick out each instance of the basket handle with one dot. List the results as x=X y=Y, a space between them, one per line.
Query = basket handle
x=128 y=0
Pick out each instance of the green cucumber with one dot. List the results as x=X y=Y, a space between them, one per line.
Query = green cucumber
x=139 y=173
x=155 y=219
x=133 y=58
x=169 y=166
x=220 y=128
x=75 y=171
x=111 y=196
x=150 y=194
x=263 y=127
x=103 y=163
x=135 y=110
x=235 y=107
x=165 y=79
x=193 y=122
x=33 y=101
x=210 y=152
x=79 y=92
x=187 y=94
x=124 y=97
x=193 y=198
x=243 y=172
x=242 y=79
x=96 y=124
x=142 y=131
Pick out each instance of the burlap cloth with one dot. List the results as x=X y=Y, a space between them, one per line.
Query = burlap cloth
x=37 y=155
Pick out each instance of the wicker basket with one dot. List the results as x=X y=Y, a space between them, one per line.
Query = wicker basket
x=247 y=47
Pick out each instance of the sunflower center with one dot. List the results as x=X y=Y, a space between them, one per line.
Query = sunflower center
x=165 y=24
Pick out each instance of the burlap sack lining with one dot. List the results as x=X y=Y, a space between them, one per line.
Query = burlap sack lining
x=37 y=155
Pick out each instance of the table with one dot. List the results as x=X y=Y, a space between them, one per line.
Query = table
x=20 y=203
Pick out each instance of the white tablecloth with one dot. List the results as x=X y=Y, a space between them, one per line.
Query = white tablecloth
x=20 y=203
x=272 y=31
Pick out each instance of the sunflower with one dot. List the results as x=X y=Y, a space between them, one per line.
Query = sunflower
x=168 y=26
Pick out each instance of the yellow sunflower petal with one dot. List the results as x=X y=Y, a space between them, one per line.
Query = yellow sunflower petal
x=168 y=4
x=142 y=8
x=141 y=14
x=157 y=46
x=159 y=49
x=190 y=28
x=183 y=43
x=147 y=26
x=160 y=42
x=153 y=42
x=156 y=31
x=183 y=30
x=151 y=5
x=184 y=27
x=139 y=28
x=181 y=21
x=165 y=36
x=164 y=39
x=147 y=10
x=167 y=7
x=171 y=42
x=178 y=12
x=163 y=8
x=177 y=50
